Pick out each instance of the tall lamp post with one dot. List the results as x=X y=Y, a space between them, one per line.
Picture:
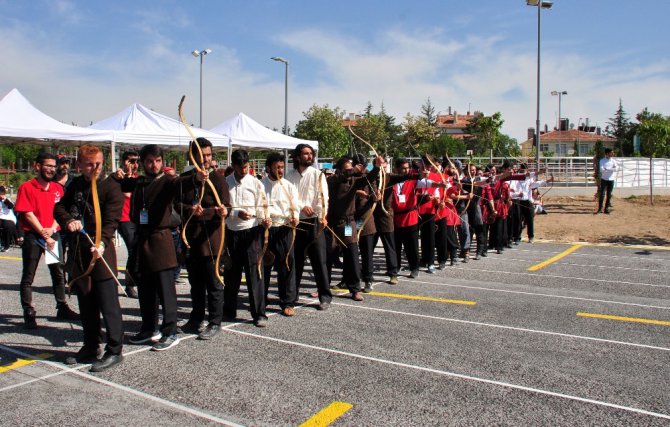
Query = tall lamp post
x=285 y=61
x=201 y=54
x=560 y=94
x=540 y=4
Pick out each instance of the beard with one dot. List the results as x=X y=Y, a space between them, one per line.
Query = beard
x=306 y=163
x=47 y=177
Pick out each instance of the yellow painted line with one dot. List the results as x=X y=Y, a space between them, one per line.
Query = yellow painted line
x=327 y=415
x=13 y=258
x=625 y=319
x=413 y=297
x=555 y=258
x=23 y=362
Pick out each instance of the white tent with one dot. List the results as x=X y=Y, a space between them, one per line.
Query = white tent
x=20 y=122
x=243 y=131
x=139 y=125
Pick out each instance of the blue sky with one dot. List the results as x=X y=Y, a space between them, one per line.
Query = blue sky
x=82 y=61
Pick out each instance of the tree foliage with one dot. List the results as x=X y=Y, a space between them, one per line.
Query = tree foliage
x=323 y=124
x=485 y=133
x=654 y=131
x=619 y=127
x=419 y=134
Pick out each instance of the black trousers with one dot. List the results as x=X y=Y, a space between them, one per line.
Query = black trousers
x=155 y=287
x=441 y=240
x=128 y=232
x=206 y=290
x=427 y=240
x=351 y=265
x=388 y=242
x=498 y=234
x=482 y=233
x=308 y=245
x=367 y=248
x=284 y=265
x=409 y=238
x=245 y=248
x=452 y=241
x=527 y=214
x=606 y=188
x=31 y=258
x=102 y=299
x=514 y=225
x=8 y=232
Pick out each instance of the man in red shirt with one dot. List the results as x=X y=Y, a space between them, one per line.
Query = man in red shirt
x=127 y=228
x=35 y=202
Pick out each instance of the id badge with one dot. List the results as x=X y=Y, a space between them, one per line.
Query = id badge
x=402 y=198
x=359 y=224
x=144 y=217
x=348 y=231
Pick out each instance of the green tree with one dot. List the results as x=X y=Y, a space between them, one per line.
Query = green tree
x=619 y=127
x=428 y=112
x=323 y=124
x=372 y=128
x=447 y=144
x=485 y=133
x=654 y=131
x=418 y=134
x=394 y=131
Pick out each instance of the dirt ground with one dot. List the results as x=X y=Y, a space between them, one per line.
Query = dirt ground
x=633 y=221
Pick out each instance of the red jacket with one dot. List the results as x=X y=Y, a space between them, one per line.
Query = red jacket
x=450 y=208
x=405 y=213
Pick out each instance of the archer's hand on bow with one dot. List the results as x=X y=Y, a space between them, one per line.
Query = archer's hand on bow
x=74 y=226
x=267 y=222
x=97 y=252
x=307 y=211
x=198 y=210
x=202 y=176
x=221 y=211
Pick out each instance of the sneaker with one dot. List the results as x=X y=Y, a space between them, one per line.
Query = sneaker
x=4 y=249
x=209 y=332
x=441 y=266
x=356 y=296
x=131 y=292
x=288 y=311
x=476 y=258
x=166 y=342
x=368 y=287
x=145 y=337
x=393 y=280
x=466 y=258
x=431 y=269
x=414 y=274
x=64 y=312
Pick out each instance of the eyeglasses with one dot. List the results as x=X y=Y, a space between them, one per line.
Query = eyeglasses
x=132 y=161
x=48 y=166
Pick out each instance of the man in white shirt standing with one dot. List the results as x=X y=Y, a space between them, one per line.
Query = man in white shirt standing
x=246 y=239
x=310 y=240
x=281 y=197
x=608 y=169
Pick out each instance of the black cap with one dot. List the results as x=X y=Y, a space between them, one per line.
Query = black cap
x=60 y=159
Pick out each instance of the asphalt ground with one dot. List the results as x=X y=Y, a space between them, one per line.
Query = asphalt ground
x=483 y=343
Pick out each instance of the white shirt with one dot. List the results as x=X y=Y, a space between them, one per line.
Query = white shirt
x=6 y=213
x=282 y=199
x=246 y=195
x=516 y=188
x=426 y=186
x=307 y=186
x=608 y=168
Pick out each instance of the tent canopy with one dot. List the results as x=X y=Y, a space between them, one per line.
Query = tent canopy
x=20 y=122
x=139 y=125
x=243 y=131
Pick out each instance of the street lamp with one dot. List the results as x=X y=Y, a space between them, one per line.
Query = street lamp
x=200 y=54
x=540 y=4
x=285 y=61
x=560 y=94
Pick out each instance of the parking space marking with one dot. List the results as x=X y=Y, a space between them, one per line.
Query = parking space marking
x=554 y=258
x=412 y=297
x=535 y=293
x=24 y=362
x=588 y=279
x=511 y=328
x=624 y=319
x=609 y=267
x=13 y=258
x=328 y=415
x=456 y=375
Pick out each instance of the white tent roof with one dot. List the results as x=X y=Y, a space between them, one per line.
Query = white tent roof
x=139 y=125
x=20 y=121
x=245 y=132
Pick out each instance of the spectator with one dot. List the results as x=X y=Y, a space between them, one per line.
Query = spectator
x=7 y=221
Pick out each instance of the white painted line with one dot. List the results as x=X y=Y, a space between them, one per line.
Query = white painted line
x=409 y=281
x=460 y=376
x=512 y=328
x=562 y=277
x=142 y=394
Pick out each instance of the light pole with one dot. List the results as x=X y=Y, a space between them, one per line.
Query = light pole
x=540 y=4
x=200 y=54
x=285 y=61
x=560 y=94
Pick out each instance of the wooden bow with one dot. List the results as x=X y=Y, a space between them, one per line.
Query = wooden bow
x=205 y=183
x=266 y=232
x=98 y=228
x=380 y=187
x=472 y=185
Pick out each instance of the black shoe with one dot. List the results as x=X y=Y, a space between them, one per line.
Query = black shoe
x=323 y=306
x=131 y=291
x=64 y=312
x=607 y=211
x=261 y=322
x=29 y=316
x=4 y=249
x=453 y=262
x=476 y=257
x=368 y=287
x=145 y=337
x=107 y=361
x=484 y=254
x=414 y=274
x=84 y=355
x=393 y=280
x=193 y=328
x=597 y=212
x=166 y=342
x=209 y=332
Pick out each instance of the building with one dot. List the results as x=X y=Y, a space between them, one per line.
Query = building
x=454 y=124
x=572 y=142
